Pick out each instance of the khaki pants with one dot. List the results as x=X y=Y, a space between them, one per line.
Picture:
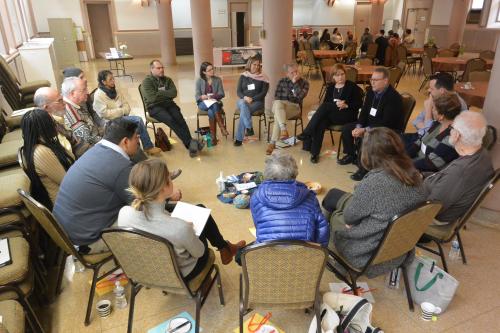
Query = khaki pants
x=282 y=110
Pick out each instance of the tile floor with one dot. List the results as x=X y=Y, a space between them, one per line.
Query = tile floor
x=475 y=308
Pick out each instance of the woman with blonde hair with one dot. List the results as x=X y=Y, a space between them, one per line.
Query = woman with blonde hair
x=151 y=186
x=391 y=186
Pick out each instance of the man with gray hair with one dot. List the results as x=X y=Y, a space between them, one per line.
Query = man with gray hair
x=290 y=92
x=77 y=116
x=458 y=185
x=50 y=100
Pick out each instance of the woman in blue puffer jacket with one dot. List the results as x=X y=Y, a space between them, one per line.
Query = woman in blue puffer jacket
x=285 y=209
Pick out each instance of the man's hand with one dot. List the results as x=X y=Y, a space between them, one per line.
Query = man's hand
x=358 y=132
x=296 y=77
x=176 y=195
x=247 y=99
x=428 y=107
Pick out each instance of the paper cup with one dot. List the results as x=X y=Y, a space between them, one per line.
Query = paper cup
x=428 y=310
x=104 y=308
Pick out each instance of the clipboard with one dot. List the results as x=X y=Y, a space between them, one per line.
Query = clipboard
x=5 y=258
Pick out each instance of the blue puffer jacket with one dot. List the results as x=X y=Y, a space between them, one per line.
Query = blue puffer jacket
x=287 y=210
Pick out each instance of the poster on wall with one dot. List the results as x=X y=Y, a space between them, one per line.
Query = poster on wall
x=236 y=56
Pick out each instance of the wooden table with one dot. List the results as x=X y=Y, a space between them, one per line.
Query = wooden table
x=322 y=54
x=117 y=64
x=475 y=96
x=415 y=50
x=364 y=71
x=454 y=64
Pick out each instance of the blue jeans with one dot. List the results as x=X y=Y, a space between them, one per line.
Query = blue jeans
x=143 y=131
x=246 y=111
x=212 y=110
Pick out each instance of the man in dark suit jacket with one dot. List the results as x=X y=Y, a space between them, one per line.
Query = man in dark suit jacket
x=383 y=107
x=382 y=43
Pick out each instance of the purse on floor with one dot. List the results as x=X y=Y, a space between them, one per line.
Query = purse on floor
x=162 y=141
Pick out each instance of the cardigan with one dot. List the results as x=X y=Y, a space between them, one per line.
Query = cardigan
x=49 y=170
x=217 y=88
x=108 y=108
x=187 y=246
x=351 y=93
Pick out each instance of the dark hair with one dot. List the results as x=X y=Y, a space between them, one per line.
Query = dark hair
x=335 y=30
x=118 y=129
x=408 y=31
x=395 y=35
x=325 y=31
x=71 y=71
x=443 y=80
x=203 y=68
x=152 y=63
x=39 y=128
x=103 y=75
x=367 y=29
x=383 y=148
x=448 y=105
x=382 y=70
x=382 y=32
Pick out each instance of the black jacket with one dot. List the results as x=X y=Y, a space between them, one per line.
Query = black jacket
x=389 y=110
x=351 y=94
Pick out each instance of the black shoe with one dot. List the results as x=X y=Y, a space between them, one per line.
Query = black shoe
x=250 y=132
x=347 y=159
x=306 y=144
x=358 y=175
x=314 y=159
x=237 y=143
x=303 y=137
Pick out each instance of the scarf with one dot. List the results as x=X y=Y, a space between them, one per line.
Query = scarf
x=110 y=92
x=258 y=77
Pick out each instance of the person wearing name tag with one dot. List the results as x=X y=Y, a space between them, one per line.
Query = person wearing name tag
x=383 y=107
x=434 y=151
x=290 y=92
x=251 y=90
x=151 y=185
x=341 y=104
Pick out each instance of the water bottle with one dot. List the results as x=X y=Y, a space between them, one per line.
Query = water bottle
x=120 y=298
x=208 y=139
x=78 y=265
x=454 y=250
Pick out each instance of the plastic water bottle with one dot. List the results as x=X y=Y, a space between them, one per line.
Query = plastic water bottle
x=208 y=139
x=78 y=265
x=120 y=298
x=454 y=250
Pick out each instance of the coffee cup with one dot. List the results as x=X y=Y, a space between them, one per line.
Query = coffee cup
x=428 y=310
x=468 y=85
x=104 y=308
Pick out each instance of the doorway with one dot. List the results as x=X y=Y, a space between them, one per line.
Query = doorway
x=100 y=28
x=361 y=19
x=417 y=19
x=239 y=23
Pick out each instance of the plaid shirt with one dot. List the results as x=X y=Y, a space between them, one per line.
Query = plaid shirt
x=293 y=92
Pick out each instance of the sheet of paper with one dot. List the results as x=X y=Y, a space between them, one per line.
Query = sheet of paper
x=209 y=102
x=4 y=252
x=253 y=231
x=21 y=112
x=192 y=213
x=114 y=52
x=245 y=186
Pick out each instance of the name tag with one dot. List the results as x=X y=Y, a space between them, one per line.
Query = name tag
x=293 y=92
x=423 y=147
x=161 y=88
x=373 y=112
x=251 y=86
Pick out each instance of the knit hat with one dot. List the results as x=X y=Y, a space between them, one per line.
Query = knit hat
x=71 y=71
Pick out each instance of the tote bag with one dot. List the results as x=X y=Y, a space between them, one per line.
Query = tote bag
x=430 y=283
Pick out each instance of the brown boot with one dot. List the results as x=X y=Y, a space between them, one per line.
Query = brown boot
x=213 y=130
x=270 y=148
x=227 y=253
x=284 y=134
x=220 y=122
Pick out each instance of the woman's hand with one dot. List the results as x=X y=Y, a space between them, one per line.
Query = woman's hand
x=176 y=195
x=342 y=104
x=247 y=99
x=204 y=97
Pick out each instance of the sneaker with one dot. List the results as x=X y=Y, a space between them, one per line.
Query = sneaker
x=347 y=159
x=237 y=143
x=174 y=174
x=193 y=148
x=153 y=151
x=250 y=132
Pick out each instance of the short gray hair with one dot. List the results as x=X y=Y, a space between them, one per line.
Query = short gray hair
x=472 y=128
x=280 y=166
x=40 y=99
x=69 y=85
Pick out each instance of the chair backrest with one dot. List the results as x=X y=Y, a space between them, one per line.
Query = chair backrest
x=402 y=65
x=310 y=60
x=371 y=50
x=6 y=72
x=408 y=106
x=472 y=65
x=285 y=274
x=20 y=159
x=365 y=61
x=446 y=53
x=490 y=138
x=394 y=76
x=327 y=62
x=487 y=54
x=430 y=51
x=145 y=258
x=91 y=96
x=454 y=46
x=403 y=232
x=427 y=63
x=402 y=52
x=480 y=76
x=49 y=223
x=143 y=103
x=351 y=74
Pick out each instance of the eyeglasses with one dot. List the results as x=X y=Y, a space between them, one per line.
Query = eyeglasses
x=209 y=70
x=375 y=80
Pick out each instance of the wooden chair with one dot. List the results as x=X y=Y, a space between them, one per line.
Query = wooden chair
x=203 y=113
x=428 y=71
x=281 y=275
x=480 y=76
x=395 y=74
x=472 y=65
x=490 y=138
x=409 y=103
x=399 y=239
x=430 y=51
x=487 y=55
x=61 y=238
x=325 y=74
x=150 y=261
x=445 y=234
x=371 y=51
x=446 y=53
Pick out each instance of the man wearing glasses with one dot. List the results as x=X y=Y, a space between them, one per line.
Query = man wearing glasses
x=383 y=107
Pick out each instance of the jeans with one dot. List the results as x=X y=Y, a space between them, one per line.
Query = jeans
x=143 y=131
x=170 y=114
x=246 y=111
x=282 y=110
x=212 y=110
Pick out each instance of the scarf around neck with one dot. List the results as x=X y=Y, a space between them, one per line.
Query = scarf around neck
x=110 y=92
x=259 y=77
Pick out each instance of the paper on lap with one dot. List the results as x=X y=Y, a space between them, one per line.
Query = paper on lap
x=209 y=102
x=192 y=213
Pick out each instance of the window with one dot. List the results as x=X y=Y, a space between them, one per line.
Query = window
x=477 y=4
x=474 y=16
x=15 y=25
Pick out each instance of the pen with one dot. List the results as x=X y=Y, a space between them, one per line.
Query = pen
x=180 y=326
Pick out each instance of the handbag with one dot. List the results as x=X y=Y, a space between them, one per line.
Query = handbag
x=430 y=283
x=162 y=141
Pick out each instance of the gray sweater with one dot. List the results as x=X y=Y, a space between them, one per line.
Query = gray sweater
x=92 y=193
x=187 y=246
x=376 y=199
x=217 y=88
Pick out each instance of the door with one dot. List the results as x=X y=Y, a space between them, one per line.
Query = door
x=62 y=30
x=100 y=28
x=361 y=19
x=417 y=19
